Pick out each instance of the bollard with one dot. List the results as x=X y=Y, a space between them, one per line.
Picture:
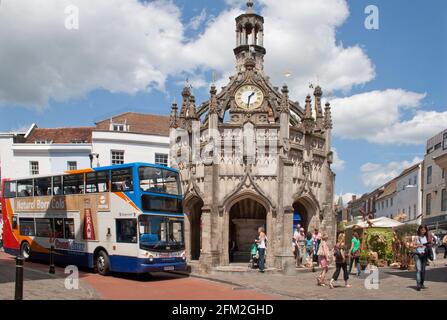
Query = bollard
x=19 y=278
x=52 y=270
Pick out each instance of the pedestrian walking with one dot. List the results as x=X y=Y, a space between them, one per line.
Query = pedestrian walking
x=354 y=253
x=261 y=241
x=323 y=260
x=340 y=262
x=301 y=242
x=421 y=247
x=444 y=244
x=1 y=232
x=309 y=249
x=296 y=252
x=316 y=237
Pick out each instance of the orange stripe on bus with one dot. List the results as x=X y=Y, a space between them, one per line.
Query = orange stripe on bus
x=126 y=198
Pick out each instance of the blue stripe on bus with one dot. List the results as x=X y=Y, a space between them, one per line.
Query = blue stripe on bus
x=117 y=263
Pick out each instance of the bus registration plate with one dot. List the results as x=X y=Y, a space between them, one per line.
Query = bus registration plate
x=168 y=268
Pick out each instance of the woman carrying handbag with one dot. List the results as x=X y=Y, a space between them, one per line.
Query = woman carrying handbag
x=354 y=254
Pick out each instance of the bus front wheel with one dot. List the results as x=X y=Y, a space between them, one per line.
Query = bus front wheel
x=103 y=263
x=25 y=250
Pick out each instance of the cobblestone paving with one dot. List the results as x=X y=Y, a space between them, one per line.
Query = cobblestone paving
x=393 y=284
x=39 y=284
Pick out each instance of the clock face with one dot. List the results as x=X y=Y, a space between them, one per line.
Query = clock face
x=249 y=97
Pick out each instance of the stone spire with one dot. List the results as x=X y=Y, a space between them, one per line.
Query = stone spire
x=284 y=108
x=186 y=93
x=173 y=121
x=213 y=100
x=308 y=120
x=327 y=116
x=318 y=93
x=191 y=111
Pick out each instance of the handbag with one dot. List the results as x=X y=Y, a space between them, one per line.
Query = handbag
x=429 y=253
x=356 y=254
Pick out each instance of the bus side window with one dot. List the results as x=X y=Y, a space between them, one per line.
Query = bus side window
x=10 y=189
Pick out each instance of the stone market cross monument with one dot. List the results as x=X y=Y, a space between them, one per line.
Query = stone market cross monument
x=260 y=160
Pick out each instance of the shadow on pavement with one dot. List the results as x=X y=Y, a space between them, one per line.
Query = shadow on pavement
x=433 y=275
x=150 y=277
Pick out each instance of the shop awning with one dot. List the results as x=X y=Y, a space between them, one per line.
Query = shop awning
x=382 y=222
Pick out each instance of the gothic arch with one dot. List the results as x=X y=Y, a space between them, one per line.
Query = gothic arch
x=307 y=206
x=255 y=193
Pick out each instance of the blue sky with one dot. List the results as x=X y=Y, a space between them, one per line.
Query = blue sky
x=407 y=53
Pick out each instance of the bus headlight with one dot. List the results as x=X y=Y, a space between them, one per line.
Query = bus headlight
x=151 y=258
x=184 y=256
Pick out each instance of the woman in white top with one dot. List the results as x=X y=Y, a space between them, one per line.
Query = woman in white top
x=261 y=241
x=420 y=256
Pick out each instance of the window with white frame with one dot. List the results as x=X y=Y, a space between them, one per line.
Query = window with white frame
x=161 y=159
x=118 y=127
x=34 y=167
x=72 y=165
x=117 y=157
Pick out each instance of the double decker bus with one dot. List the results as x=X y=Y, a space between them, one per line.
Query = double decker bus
x=121 y=218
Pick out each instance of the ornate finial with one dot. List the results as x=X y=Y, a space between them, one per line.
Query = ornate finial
x=213 y=100
x=173 y=123
x=308 y=120
x=318 y=92
x=284 y=108
x=250 y=7
x=328 y=116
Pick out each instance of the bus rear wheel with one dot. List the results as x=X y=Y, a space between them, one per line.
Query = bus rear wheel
x=103 y=263
x=25 y=250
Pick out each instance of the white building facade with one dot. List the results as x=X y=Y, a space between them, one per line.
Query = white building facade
x=130 y=137
x=409 y=195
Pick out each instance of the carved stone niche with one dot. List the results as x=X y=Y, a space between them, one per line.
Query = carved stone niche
x=235 y=118
x=296 y=137
x=296 y=155
x=262 y=118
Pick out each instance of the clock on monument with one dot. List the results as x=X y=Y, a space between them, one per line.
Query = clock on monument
x=249 y=97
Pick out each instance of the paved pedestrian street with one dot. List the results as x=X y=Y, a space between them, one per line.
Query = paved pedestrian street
x=39 y=285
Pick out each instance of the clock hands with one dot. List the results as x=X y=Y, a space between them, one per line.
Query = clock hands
x=249 y=98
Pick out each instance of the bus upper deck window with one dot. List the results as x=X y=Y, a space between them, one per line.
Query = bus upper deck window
x=122 y=180
x=25 y=188
x=57 y=186
x=42 y=187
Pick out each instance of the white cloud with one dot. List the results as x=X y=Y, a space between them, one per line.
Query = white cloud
x=121 y=46
x=375 y=174
x=377 y=117
x=417 y=130
x=129 y=46
x=338 y=163
x=198 y=20
x=346 y=197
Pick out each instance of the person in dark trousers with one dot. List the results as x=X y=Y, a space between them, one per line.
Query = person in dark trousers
x=340 y=262
x=261 y=241
x=421 y=246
